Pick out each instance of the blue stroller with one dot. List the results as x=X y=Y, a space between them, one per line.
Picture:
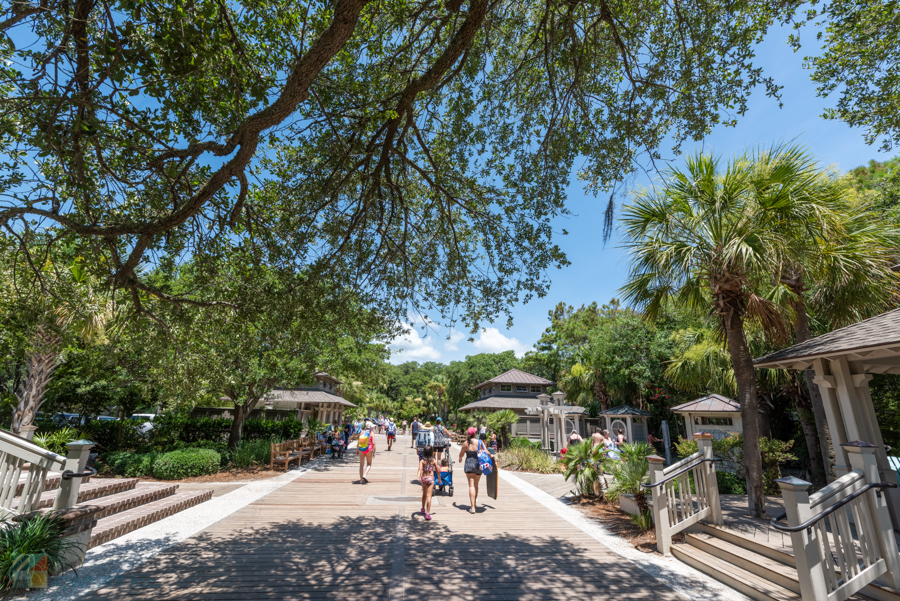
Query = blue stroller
x=443 y=481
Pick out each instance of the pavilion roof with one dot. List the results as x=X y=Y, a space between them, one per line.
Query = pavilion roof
x=626 y=410
x=511 y=402
x=711 y=403
x=516 y=376
x=878 y=337
x=280 y=397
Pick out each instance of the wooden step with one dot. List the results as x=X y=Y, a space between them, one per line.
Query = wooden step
x=764 y=567
x=142 y=494
x=765 y=561
x=122 y=523
x=91 y=490
x=742 y=580
x=51 y=483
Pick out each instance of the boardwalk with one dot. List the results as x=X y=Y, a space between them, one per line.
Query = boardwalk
x=324 y=536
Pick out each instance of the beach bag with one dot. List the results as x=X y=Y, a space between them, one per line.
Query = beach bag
x=364 y=440
x=425 y=438
x=484 y=460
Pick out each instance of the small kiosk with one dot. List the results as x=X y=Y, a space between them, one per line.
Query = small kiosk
x=631 y=420
x=714 y=414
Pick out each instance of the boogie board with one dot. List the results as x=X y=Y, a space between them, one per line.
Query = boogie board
x=492 y=480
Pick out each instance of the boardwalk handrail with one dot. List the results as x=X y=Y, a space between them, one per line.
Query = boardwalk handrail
x=679 y=472
x=680 y=500
x=878 y=486
x=18 y=455
x=835 y=559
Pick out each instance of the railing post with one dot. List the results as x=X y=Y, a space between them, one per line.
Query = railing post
x=862 y=459
x=660 y=505
x=27 y=432
x=76 y=461
x=807 y=555
x=705 y=446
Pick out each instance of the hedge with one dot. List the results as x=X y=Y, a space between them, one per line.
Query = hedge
x=186 y=463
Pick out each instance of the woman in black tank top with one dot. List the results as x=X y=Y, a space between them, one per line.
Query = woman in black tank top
x=469 y=452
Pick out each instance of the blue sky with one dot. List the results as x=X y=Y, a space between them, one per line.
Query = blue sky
x=596 y=271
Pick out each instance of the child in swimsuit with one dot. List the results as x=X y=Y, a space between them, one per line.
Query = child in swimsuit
x=428 y=465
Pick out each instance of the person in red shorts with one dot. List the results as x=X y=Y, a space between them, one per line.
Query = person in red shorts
x=391 y=432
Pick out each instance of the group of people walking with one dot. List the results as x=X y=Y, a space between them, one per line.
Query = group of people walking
x=433 y=440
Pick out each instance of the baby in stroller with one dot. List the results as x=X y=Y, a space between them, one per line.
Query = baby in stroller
x=337 y=444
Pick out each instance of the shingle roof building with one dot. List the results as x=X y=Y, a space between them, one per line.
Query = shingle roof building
x=626 y=410
x=516 y=376
x=864 y=338
x=711 y=403
x=494 y=403
x=290 y=398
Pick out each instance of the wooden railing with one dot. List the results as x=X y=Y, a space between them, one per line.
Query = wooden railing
x=20 y=457
x=835 y=559
x=684 y=493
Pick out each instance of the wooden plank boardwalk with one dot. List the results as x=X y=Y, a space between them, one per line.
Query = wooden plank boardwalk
x=325 y=536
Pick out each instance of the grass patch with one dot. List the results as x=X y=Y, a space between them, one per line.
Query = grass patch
x=530 y=460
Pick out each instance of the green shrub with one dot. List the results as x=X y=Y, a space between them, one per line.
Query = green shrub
x=39 y=534
x=108 y=437
x=520 y=442
x=731 y=484
x=186 y=463
x=530 y=460
x=731 y=451
x=130 y=465
x=252 y=452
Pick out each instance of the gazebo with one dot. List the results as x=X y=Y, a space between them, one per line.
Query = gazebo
x=631 y=420
x=844 y=361
x=715 y=414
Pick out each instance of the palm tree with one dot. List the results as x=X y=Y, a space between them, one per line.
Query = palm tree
x=438 y=387
x=583 y=385
x=89 y=314
x=711 y=240
x=501 y=421
x=702 y=365
x=842 y=278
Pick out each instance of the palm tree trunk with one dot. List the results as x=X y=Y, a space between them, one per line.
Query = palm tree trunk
x=30 y=394
x=745 y=374
x=826 y=450
x=808 y=425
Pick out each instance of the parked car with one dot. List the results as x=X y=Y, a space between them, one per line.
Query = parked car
x=147 y=419
x=68 y=419
x=105 y=418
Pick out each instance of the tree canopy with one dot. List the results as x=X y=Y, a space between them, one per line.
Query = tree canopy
x=417 y=151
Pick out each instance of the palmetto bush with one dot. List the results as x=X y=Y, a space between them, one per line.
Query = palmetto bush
x=581 y=465
x=57 y=440
x=627 y=476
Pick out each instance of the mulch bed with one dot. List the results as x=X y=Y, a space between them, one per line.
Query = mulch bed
x=234 y=475
x=619 y=523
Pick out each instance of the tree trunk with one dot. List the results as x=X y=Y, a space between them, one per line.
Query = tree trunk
x=30 y=395
x=745 y=374
x=802 y=332
x=237 y=424
x=808 y=425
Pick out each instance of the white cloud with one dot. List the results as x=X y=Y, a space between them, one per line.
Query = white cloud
x=491 y=340
x=414 y=347
x=453 y=344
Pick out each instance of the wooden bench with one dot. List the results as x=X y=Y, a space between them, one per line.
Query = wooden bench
x=286 y=452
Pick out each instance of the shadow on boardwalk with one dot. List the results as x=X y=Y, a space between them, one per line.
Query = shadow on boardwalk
x=379 y=558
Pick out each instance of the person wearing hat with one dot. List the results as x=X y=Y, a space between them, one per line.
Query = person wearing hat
x=441 y=438
x=391 y=432
x=425 y=437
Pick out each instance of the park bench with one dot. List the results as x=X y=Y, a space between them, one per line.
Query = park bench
x=286 y=452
